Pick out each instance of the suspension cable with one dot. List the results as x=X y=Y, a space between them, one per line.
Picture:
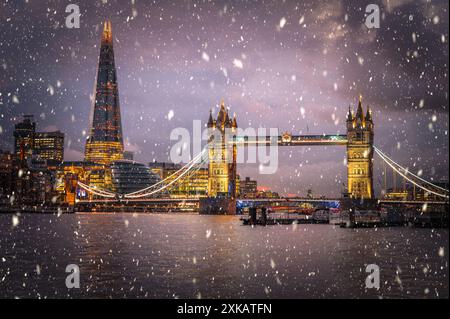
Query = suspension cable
x=192 y=163
x=168 y=177
x=95 y=191
x=161 y=188
x=409 y=172
x=410 y=180
x=190 y=174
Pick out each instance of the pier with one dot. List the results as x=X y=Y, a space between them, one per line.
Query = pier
x=375 y=214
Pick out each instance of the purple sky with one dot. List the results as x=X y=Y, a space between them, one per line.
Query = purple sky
x=303 y=63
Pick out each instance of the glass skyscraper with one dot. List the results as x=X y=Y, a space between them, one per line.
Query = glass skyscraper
x=129 y=176
x=105 y=143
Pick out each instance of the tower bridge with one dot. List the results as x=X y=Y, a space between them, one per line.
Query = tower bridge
x=220 y=155
x=358 y=142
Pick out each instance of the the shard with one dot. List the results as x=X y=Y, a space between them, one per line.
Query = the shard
x=105 y=143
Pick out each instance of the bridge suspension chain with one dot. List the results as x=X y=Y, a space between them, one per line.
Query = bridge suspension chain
x=409 y=172
x=186 y=177
x=187 y=168
x=190 y=166
x=150 y=190
x=404 y=172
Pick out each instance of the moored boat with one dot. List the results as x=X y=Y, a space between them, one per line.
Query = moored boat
x=335 y=216
x=361 y=213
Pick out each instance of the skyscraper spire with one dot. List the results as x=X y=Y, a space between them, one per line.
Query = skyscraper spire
x=104 y=143
x=107 y=32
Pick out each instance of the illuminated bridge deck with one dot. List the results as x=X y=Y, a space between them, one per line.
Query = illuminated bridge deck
x=293 y=140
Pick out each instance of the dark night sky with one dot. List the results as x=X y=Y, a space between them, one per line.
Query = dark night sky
x=303 y=63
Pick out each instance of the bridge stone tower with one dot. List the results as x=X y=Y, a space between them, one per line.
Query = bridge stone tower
x=360 y=153
x=222 y=155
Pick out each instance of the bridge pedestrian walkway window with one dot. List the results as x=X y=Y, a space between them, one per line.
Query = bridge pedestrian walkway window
x=359 y=171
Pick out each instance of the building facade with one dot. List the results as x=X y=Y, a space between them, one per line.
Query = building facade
x=49 y=146
x=105 y=142
x=6 y=175
x=37 y=145
x=248 y=188
x=24 y=137
x=130 y=176
x=360 y=131
x=68 y=173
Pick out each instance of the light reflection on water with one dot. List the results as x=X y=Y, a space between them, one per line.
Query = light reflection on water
x=190 y=256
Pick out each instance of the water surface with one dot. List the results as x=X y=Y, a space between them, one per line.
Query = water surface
x=193 y=256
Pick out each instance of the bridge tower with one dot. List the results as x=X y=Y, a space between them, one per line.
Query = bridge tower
x=222 y=155
x=360 y=131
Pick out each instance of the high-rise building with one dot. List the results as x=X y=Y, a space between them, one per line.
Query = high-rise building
x=360 y=153
x=49 y=146
x=105 y=143
x=40 y=145
x=24 y=137
x=248 y=188
x=6 y=174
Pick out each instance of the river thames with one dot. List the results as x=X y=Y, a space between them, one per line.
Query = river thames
x=196 y=256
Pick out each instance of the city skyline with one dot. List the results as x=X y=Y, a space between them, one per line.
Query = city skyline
x=257 y=150
x=186 y=80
